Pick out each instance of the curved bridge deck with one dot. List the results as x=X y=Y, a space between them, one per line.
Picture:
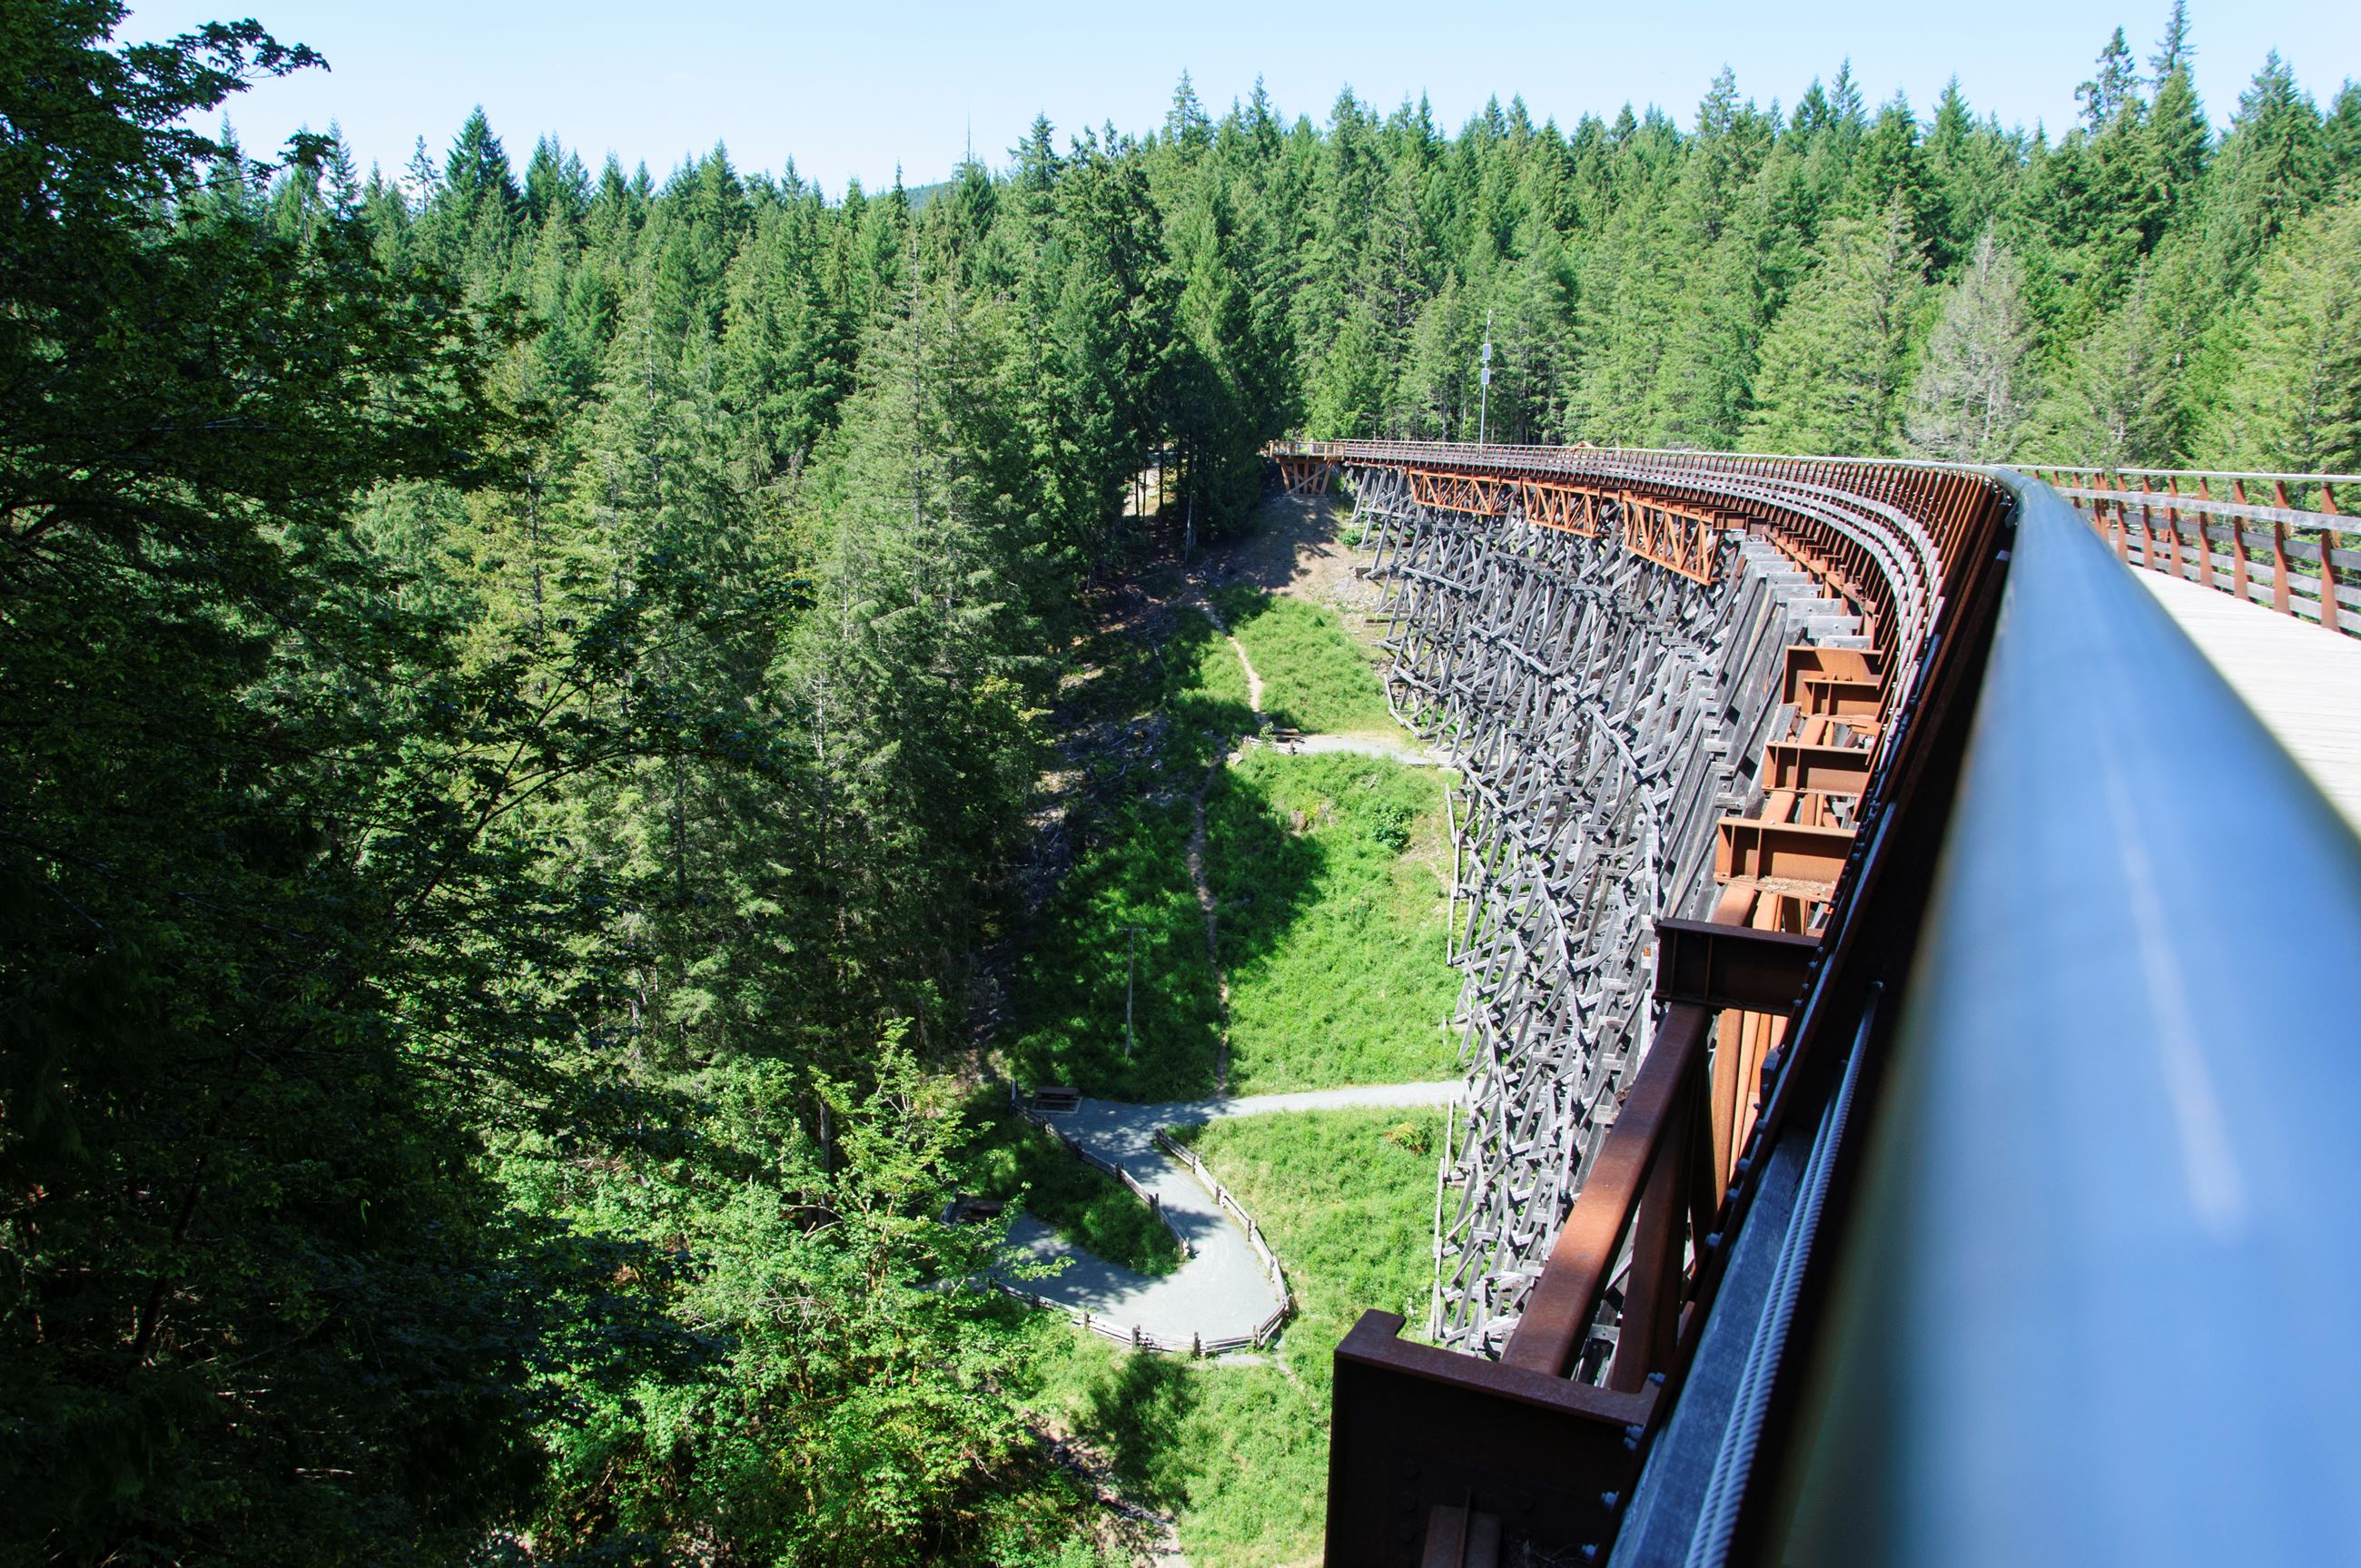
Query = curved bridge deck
x=1910 y=1052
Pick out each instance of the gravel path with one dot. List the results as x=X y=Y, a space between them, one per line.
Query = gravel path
x=1220 y=1290
x=1361 y=745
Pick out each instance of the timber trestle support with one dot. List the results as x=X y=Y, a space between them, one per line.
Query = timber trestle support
x=1680 y=690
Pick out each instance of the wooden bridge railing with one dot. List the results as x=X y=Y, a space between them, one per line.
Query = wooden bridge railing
x=2275 y=539
x=2280 y=540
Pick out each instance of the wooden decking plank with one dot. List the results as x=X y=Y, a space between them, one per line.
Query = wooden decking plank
x=2302 y=682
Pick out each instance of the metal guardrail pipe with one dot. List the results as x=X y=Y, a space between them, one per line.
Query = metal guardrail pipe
x=2096 y=1300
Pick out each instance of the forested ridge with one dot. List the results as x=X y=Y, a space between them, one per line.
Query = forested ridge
x=527 y=693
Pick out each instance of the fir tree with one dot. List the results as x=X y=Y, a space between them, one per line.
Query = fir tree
x=2116 y=405
x=2294 y=401
x=1834 y=362
x=2112 y=89
x=1972 y=391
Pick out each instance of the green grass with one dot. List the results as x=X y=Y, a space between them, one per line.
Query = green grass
x=1328 y=875
x=1012 y=1159
x=1221 y=679
x=1186 y=697
x=1346 y=1198
x=1239 y=1452
x=1314 y=677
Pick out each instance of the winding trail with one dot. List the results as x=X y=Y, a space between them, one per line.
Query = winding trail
x=1197 y=848
x=1220 y=1290
x=1363 y=746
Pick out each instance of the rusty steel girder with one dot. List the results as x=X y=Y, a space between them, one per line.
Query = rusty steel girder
x=1569 y=509
x=1483 y=495
x=1675 y=537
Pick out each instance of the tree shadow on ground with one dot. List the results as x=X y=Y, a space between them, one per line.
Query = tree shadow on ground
x=1016 y=1162
x=1140 y=1411
x=1285 y=528
x=1125 y=933
x=1330 y=938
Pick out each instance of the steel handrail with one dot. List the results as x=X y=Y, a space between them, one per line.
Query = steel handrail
x=2095 y=1302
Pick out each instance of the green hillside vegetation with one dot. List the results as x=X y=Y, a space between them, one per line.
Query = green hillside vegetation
x=1184 y=698
x=1239 y=1453
x=1014 y=1160
x=1329 y=872
x=1314 y=677
x=538 y=692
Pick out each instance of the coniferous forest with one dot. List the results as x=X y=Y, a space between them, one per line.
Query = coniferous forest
x=527 y=684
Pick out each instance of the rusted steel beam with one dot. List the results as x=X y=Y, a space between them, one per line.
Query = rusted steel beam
x=1415 y=1429
x=1677 y=538
x=1483 y=495
x=1717 y=966
x=1570 y=508
x=1833 y=769
x=1830 y=694
x=1780 y=851
x=1461 y=1537
x=1809 y=659
x=1661 y=1231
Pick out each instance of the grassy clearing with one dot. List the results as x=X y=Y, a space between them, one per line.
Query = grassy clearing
x=1239 y=1453
x=1185 y=697
x=1015 y=1160
x=1326 y=870
x=1314 y=677
x=1347 y=1200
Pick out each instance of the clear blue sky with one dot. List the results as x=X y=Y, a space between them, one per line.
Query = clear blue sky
x=853 y=89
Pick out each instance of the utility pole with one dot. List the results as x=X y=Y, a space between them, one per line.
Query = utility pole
x=1130 y=981
x=1484 y=383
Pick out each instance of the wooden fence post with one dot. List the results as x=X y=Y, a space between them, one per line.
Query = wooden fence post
x=2330 y=611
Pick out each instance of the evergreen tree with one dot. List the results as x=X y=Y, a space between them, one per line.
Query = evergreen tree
x=2116 y=405
x=1972 y=393
x=1835 y=361
x=2295 y=400
x=2112 y=88
x=2272 y=167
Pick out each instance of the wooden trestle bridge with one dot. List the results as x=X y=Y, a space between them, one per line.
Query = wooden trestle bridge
x=1909 y=1021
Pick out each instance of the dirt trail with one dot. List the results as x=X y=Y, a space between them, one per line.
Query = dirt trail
x=1197 y=850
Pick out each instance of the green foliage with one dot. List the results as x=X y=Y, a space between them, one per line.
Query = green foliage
x=1347 y=1204
x=2295 y=397
x=261 y=893
x=1017 y=1161
x=1240 y=1451
x=1130 y=891
x=1835 y=363
x=517 y=685
x=865 y=1402
x=1974 y=382
x=1328 y=874
x=1314 y=677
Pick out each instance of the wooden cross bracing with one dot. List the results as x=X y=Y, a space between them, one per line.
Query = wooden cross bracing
x=1609 y=718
